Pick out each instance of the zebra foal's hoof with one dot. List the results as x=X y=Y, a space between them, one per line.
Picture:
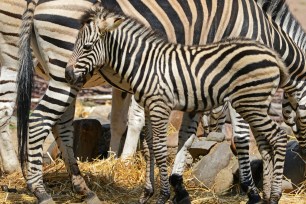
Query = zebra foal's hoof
x=163 y=197
x=146 y=195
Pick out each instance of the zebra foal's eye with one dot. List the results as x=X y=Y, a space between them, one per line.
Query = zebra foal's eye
x=87 y=46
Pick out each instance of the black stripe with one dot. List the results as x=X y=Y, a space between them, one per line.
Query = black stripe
x=58 y=43
x=59 y=20
x=13 y=15
x=231 y=25
x=199 y=23
x=216 y=22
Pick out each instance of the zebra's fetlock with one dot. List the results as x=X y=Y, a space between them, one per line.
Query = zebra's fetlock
x=252 y=192
x=146 y=195
x=163 y=197
x=43 y=197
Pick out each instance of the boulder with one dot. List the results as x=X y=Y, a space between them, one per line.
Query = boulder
x=200 y=147
x=225 y=178
x=216 y=136
x=207 y=169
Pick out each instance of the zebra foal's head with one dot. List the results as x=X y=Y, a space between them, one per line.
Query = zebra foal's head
x=90 y=49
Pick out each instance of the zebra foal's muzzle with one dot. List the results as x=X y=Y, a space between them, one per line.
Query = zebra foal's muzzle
x=72 y=78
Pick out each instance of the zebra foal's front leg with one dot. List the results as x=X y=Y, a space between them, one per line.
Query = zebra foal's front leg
x=159 y=117
x=271 y=141
x=149 y=157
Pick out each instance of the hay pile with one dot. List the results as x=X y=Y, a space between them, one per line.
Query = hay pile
x=116 y=182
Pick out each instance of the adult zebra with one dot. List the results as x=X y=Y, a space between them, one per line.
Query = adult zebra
x=160 y=73
x=279 y=11
x=198 y=28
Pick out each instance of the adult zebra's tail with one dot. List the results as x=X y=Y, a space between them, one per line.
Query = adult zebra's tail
x=25 y=80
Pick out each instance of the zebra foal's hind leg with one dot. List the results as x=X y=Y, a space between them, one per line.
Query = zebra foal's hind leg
x=271 y=141
x=294 y=112
x=241 y=136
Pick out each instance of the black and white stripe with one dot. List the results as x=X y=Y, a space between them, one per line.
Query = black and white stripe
x=202 y=22
x=165 y=77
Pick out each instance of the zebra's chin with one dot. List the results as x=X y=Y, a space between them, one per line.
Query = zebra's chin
x=73 y=79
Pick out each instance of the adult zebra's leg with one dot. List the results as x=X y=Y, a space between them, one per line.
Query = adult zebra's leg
x=119 y=114
x=63 y=133
x=188 y=128
x=241 y=136
x=149 y=157
x=8 y=155
x=50 y=109
x=135 y=124
x=176 y=179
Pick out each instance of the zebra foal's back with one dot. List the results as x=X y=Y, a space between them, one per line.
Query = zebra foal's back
x=165 y=77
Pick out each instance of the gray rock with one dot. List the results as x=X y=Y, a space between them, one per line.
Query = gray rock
x=216 y=136
x=210 y=165
x=225 y=178
x=200 y=147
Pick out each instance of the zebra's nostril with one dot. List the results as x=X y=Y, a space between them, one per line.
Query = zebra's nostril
x=68 y=76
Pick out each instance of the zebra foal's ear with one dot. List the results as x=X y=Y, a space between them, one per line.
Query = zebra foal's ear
x=109 y=24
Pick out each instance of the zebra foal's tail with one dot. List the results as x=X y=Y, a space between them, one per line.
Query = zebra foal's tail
x=25 y=81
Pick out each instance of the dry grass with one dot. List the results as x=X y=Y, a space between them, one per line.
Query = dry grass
x=115 y=182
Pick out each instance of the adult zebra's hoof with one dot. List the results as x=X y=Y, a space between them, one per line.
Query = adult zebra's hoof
x=163 y=197
x=146 y=195
x=181 y=194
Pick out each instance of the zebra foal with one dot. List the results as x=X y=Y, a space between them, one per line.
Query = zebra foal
x=165 y=77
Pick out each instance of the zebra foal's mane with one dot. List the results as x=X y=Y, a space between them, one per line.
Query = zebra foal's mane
x=99 y=12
